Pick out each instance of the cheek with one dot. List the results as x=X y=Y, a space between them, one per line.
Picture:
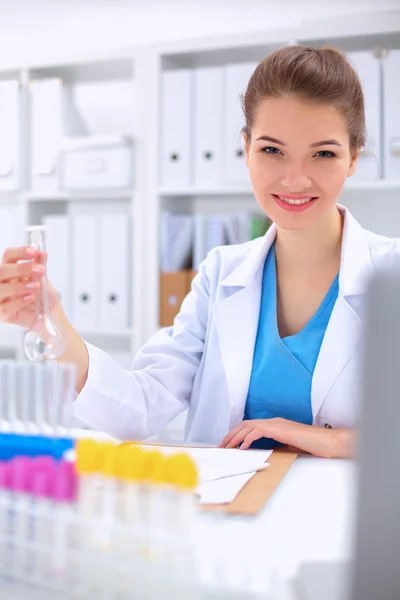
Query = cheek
x=263 y=171
x=329 y=175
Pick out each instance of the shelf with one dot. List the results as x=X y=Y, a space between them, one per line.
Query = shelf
x=109 y=333
x=380 y=184
x=247 y=190
x=78 y=196
x=221 y=191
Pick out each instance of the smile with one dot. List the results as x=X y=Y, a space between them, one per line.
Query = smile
x=290 y=200
x=294 y=203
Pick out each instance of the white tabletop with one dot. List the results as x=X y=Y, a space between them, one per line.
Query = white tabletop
x=308 y=518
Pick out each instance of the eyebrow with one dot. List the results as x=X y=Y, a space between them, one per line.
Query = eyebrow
x=267 y=138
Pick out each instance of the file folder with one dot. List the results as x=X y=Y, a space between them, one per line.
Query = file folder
x=368 y=67
x=236 y=78
x=208 y=126
x=177 y=128
x=114 y=256
x=9 y=143
x=391 y=73
x=58 y=235
x=85 y=271
x=47 y=130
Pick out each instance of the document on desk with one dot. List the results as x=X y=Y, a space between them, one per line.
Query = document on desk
x=222 y=471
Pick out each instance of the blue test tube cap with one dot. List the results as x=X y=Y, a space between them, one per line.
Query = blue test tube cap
x=12 y=445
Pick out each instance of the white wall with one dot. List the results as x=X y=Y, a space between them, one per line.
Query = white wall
x=32 y=30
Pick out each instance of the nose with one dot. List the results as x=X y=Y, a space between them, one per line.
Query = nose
x=295 y=177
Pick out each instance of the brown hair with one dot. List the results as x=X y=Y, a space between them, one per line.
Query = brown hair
x=318 y=74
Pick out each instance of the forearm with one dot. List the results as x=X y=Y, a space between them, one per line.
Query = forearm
x=75 y=348
x=319 y=441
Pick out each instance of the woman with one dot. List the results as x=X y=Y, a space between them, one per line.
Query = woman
x=265 y=349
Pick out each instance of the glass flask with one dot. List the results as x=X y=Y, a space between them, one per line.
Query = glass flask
x=44 y=340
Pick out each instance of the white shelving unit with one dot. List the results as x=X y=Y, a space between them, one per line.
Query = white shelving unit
x=128 y=100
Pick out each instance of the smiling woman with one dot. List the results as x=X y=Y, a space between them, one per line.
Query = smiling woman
x=266 y=347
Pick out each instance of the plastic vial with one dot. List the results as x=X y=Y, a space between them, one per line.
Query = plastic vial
x=43 y=341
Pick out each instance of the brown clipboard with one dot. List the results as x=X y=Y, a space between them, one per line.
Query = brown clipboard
x=258 y=490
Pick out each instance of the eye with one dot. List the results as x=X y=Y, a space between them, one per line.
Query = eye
x=325 y=154
x=270 y=150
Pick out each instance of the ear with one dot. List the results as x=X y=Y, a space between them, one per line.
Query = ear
x=353 y=164
x=246 y=148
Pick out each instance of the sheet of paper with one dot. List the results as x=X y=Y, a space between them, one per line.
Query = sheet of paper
x=222 y=472
x=223 y=490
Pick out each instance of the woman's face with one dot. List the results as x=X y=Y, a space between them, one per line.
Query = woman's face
x=298 y=158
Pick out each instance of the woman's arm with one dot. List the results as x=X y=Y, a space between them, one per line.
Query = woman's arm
x=75 y=348
x=319 y=441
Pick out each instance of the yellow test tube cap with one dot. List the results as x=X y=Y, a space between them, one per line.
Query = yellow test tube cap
x=182 y=471
x=130 y=462
x=108 y=459
x=155 y=467
x=87 y=455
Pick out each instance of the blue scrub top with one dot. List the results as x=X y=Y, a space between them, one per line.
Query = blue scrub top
x=281 y=377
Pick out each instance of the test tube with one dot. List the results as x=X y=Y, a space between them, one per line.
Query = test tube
x=26 y=377
x=65 y=391
x=11 y=395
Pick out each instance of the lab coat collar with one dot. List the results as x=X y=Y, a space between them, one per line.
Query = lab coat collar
x=355 y=265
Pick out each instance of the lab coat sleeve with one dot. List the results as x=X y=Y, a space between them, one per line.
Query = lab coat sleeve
x=139 y=403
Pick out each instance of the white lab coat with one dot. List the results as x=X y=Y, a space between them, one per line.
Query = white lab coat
x=204 y=361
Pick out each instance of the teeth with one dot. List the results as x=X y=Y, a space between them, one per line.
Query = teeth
x=290 y=201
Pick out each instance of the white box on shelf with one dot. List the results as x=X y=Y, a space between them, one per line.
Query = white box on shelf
x=368 y=67
x=114 y=255
x=9 y=120
x=85 y=271
x=208 y=126
x=236 y=78
x=176 y=127
x=58 y=235
x=97 y=162
x=47 y=131
x=391 y=70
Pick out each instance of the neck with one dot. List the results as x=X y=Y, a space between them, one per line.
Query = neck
x=315 y=246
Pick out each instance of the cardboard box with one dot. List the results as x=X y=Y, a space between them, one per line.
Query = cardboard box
x=173 y=289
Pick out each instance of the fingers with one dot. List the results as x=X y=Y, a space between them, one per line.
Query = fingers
x=9 y=309
x=9 y=271
x=12 y=255
x=251 y=437
x=228 y=438
x=238 y=438
x=13 y=290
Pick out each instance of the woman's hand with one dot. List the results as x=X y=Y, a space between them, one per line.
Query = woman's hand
x=326 y=443
x=20 y=283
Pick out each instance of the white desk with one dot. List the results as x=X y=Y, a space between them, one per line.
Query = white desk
x=309 y=518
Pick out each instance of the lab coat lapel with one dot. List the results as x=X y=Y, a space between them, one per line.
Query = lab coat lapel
x=344 y=329
x=236 y=317
x=338 y=346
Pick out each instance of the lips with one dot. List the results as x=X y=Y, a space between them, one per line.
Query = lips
x=295 y=199
x=294 y=203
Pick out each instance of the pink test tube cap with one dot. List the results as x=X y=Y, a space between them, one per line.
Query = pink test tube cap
x=4 y=474
x=20 y=473
x=65 y=482
x=42 y=481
